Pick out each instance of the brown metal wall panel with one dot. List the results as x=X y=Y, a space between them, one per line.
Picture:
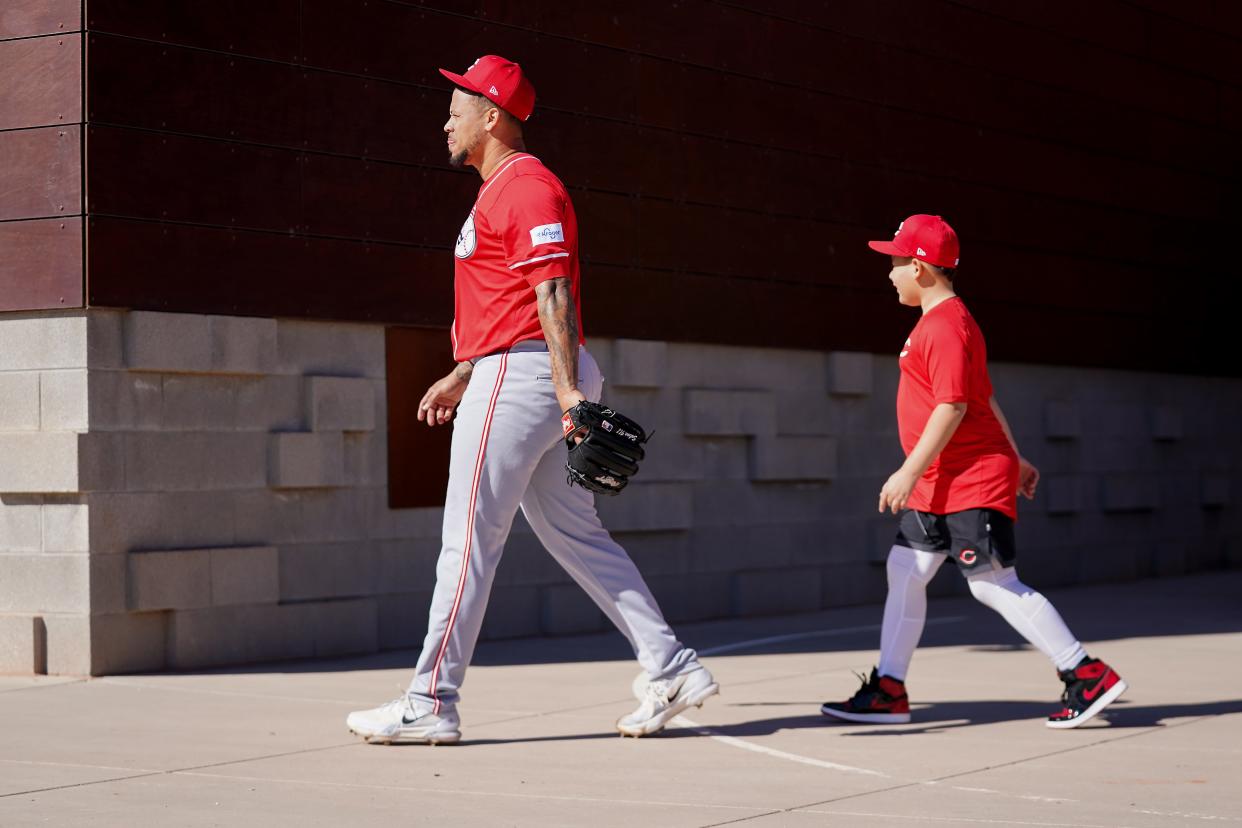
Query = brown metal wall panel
x=42 y=172
x=134 y=83
x=30 y=18
x=41 y=81
x=267 y=29
x=41 y=266
x=174 y=267
x=418 y=455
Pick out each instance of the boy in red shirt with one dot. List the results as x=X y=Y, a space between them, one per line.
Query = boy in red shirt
x=957 y=492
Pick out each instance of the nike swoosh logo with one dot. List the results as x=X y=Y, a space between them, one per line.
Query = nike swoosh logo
x=1095 y=691
x=404 y=720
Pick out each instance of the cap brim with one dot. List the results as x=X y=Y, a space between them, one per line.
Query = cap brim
x=886 y=247
x=460 y=80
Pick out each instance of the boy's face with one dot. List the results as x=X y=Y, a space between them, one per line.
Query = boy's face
x=904 y=277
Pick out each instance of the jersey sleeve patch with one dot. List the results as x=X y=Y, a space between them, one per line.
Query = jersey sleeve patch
x=546 y=234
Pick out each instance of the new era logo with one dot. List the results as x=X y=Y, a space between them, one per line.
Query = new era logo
x=921 y=251
x=493 y=91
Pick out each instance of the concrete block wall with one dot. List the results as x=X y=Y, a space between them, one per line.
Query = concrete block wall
x=183 y=491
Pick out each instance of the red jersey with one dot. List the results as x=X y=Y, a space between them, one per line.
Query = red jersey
x=945 y=360
x=521 y=231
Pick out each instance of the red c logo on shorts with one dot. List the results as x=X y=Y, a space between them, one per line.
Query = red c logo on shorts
x=967 y=556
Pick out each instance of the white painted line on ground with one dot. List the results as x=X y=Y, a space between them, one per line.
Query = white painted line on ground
x=733 y=741
x=956 y=820
x=781 y=639
x=1185 y=815
x=319 y=783
x=38 y=763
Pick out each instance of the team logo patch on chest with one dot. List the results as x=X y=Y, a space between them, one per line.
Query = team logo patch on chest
x=905 y=348
x=466 y=239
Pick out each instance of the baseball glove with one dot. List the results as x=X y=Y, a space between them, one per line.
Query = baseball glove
x=608 y=454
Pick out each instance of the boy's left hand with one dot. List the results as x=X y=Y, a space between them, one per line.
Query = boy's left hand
x=1028 y=478
x=896 y=491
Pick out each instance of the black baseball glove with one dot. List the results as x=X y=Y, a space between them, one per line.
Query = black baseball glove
x=609 y=451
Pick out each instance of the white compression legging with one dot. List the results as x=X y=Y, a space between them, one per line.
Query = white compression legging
x=1027 y=611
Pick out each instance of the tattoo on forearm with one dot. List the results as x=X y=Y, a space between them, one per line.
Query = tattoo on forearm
x=463 y=371
x=560 y=329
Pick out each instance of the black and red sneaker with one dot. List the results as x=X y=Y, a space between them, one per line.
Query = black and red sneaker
x=1089 y=688
x=880 y=700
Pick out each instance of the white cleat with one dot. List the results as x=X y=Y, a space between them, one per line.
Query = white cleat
x=400 y=721
x=664 y=699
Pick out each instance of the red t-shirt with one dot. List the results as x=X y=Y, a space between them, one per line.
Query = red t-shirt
x=521 y=231
x=945 y=360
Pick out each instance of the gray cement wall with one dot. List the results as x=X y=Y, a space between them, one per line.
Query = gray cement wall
x=179 y=491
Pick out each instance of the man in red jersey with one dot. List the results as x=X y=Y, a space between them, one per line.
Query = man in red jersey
x=957 y=492
x=521 y=363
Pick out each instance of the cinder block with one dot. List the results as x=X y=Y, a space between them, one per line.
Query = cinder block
x=271 y=403
x=124 y=521
x=658 y=553
x=776 y=591
x=39 y=462
x=331 y=348
x=125 y=400
x=68 y=644
x=639 y=363
x=37 y=342
x=21 y=527
x=306 y=460
x=339 y=627
x=1166 y=423
x=23 y=644
x=237 y=635
x=108 y=584
x=172 y=342
x=366 y=458
x=1062 y=494
x=1130 y=493
x=19 y=400
x=1214 y=490
x=849 y=373
x=706 y=595
x=1061 y=421
x=196 y=402
x=194 y=460
x=340 y=404
x=402 y=619
x=711 y=412
x=566 y=610
x=101 y=461
x=793 y=458
x=244 y=575
x=849 y=584
x=178 y=579
x=805 y=413
x=45 y=583
x=326 y=570
x=242 y=345
x=131 y=642
x=405 y=566
x=63 y=400
x=647 y=507
x=512 y=612
x=104 y=340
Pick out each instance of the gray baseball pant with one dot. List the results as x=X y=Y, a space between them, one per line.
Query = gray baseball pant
x=507 y=452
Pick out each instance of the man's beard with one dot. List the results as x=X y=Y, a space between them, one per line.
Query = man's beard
x=458 y=159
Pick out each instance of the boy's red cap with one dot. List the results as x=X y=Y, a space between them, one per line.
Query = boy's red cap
x=501 y=82
x=925 y=237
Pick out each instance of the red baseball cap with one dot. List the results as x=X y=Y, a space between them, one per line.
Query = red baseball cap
x=925 y=237
x=501 y=82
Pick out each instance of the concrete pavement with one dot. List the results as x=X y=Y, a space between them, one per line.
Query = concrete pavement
x=267 y=745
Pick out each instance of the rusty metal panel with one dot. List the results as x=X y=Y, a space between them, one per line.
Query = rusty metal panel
x=42 y=172
x=149 y=85
x=193 y=269
x=41 y=81
x=418 y=455
x=268 y=29
x=41 y=266
x=30 y=18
